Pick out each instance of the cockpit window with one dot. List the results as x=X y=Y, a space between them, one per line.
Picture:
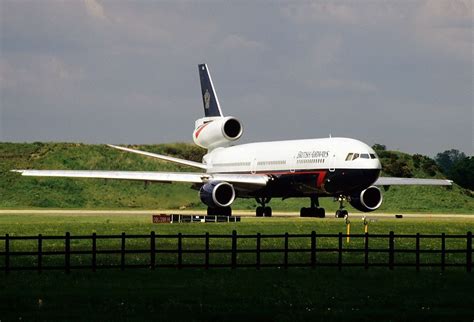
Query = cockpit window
x=353 y=156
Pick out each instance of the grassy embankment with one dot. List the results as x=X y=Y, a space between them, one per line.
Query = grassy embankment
x=20 y=192
x=322 y=294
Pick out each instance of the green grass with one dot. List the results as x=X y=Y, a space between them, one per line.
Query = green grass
x=225 y=295
x=18 y=192
x=322 y=294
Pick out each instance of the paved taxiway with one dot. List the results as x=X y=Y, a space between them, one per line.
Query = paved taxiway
x=374 y=215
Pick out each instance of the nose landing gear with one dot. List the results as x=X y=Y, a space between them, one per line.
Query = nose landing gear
x=341 y=212
x=263 y=211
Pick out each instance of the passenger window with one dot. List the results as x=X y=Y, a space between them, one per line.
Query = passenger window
x=364 y=156
x=356 y=155
x=349 y=156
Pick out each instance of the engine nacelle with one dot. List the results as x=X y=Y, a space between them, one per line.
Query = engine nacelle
x=217 y=194
x=367 y=200
x=214 y=132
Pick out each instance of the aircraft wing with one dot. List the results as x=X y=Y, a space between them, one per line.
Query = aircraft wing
x=392 y=181
x=162 y=157
x=191 y=177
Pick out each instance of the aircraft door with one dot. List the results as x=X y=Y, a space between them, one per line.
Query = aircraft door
x=332 y=162
x=253 y=166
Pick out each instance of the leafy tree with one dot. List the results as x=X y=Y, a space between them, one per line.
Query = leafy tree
x=448 y=158
x=379 y=147
x=429 y=166
x=417 y=159
x=462 y=172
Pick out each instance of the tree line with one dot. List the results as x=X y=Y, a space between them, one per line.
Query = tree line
x=453 y=164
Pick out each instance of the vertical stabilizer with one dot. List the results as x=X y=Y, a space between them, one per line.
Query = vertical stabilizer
x=210 y=101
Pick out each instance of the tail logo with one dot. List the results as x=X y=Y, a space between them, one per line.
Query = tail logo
x=207 y=99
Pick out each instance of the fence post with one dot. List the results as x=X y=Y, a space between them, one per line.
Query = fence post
x=443 y=251
x=67 y=252
x=391 y=254
x=313 y=249
x=285 y=263
x=469 y=252
x=366 y=250
x=234 y=249
x=258 y=249
x=122 y=253
x=417 y=252
x=94 y=251
x=40 y=252
x=206 y=260
x=7 y=253
x=339 y=261
x=180 y=250
x=152 y=250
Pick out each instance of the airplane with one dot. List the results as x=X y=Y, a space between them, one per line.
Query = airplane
x=342 y=168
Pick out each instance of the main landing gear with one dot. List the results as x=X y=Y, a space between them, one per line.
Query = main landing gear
x=314 y=210
x=341 y=212
x=262 y=210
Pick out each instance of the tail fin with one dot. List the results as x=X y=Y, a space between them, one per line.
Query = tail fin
x=210 y=101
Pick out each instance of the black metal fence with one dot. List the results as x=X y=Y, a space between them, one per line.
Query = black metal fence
x=234 y=251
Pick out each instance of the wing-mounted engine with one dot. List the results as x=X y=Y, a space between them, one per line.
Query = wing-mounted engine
x=217 y=194
x=367 y=200
x=213 y=132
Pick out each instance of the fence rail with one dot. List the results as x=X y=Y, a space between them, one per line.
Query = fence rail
x=310 y=249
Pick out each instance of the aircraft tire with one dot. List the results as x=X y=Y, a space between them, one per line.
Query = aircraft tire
x=267 y=211
x=320 y=212
x=259 y=211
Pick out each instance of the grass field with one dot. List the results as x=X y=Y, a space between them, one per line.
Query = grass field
x=322 y=294
x=18 y=192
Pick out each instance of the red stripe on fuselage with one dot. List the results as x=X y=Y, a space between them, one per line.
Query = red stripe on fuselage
x=196 y=134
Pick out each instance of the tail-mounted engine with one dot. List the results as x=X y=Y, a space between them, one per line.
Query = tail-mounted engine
x=367 y=200
x=215 y=132
x=217 y=194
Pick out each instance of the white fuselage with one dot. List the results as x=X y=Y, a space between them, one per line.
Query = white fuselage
x=291 y=156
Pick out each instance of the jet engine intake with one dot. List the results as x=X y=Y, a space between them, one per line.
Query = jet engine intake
x=217 y=131
x=367 y=200
x=217 y=194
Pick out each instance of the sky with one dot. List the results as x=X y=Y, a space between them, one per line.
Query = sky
x=398 y=73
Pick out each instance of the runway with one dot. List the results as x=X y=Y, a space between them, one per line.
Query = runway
x=356 y=215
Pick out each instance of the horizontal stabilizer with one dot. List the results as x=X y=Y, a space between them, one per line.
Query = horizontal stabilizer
x=162 y=157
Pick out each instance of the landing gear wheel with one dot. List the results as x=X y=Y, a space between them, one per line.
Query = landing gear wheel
x=320 y=212
x=341 y=213
x=267 y=212
x=314 y=210
x=262 y=210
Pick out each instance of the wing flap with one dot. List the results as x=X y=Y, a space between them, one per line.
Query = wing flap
x=392 y=181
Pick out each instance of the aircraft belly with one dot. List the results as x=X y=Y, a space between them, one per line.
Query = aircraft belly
x=317 y=182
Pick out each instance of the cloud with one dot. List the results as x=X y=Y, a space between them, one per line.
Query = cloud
x=95 y=9
x=344 y=85
x=238 y=42
x=322 y=12
x=446 y=26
